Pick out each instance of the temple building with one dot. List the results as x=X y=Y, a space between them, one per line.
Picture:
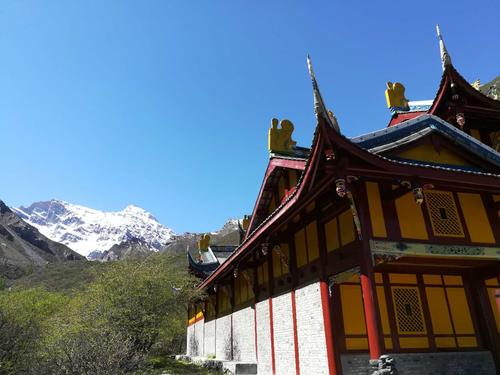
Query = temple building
x=380 y=250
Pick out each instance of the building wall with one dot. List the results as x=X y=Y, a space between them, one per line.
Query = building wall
x=283 y=335
x=311 y=330
x=209 y=340
x=199 y=328
x=264 y=338
x=244 y=335
x=190 y=340
x=223 y=338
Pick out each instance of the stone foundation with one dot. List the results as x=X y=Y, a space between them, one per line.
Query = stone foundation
x=455 y=363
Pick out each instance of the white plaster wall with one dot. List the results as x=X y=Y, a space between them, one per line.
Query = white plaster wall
x=284 y=350
x=209 y=340
x=264 y=363
x=189 y=338
x=223 y=338
x=199 y=335
x=244 y=335
x=311 y=339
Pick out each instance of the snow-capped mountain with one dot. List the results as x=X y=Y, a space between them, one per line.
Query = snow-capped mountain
x=86 y=230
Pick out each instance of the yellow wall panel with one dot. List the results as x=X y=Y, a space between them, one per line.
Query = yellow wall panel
x=467 y=342
x=300 y=248
x=276 y=264
x=445 y=342
x=453 y=280
x=332 y=235
x=411 y=218
x=476 y=218
x=432 y=279
x=384 y=316
x=352 y=310
x=492 y=282
x=427 y=152
x=476 y=134
x=356 y=343
x=460 y=311
x=438 y=308
x=413 y=342
x=286 y=251
x=375 y=208
x=402 y=278
x=312 y=241
x=346 y=227
x=388 y=342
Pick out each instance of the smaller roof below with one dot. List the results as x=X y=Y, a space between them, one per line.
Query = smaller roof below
x=204 y=263
x=395 y=136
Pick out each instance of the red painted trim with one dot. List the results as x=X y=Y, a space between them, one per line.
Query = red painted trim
x=271 y=326
x=295 y=337
x=274 y=163
x=330 y=346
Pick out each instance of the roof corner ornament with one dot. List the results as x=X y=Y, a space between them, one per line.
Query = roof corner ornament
x=395 y=97
x=319 y=104
x=445 y=56
x=204 y=242
x=279 y=138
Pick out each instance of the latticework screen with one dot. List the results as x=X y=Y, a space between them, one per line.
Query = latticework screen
x=408 y=310
x=443 y=214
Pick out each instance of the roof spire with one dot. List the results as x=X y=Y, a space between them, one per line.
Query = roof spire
x=319 y=104
x=445 y=56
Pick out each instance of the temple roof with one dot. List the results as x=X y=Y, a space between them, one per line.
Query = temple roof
x=409 y=131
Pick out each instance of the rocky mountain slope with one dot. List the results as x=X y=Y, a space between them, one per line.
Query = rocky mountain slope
x=90 y=231
x=23 y=248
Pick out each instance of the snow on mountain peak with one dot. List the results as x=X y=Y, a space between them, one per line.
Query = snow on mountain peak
x=86 y=230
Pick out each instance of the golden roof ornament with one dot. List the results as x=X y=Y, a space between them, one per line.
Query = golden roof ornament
x=319 y=104
x=280 y=136
x=476 y=84
x=445 y=56
x=395 y=96
x=204 y=242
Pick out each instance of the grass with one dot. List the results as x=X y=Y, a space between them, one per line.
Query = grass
x=165 y=365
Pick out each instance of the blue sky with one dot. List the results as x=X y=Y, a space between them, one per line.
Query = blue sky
x=166 y=104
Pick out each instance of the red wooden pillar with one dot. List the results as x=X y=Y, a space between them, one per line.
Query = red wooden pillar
x=330 y=345
x=371 y=314
x=367 y=277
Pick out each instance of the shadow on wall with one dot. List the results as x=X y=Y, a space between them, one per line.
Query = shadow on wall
x=231 y=349
x=193 y=346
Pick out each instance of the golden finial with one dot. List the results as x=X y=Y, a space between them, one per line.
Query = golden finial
x=445 y=56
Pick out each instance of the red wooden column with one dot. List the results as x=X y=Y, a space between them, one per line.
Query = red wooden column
x=367 y=277
x=330 y=346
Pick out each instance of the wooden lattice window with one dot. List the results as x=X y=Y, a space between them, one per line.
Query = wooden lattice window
x=408 y=308
x=443 y=214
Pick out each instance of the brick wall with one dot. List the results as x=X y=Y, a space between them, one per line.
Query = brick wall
x=311 y=331
x=209 y=340
x=283 y=335
x=244 y=335
x=456 y=363
x=264 y=338
x=223 y=338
